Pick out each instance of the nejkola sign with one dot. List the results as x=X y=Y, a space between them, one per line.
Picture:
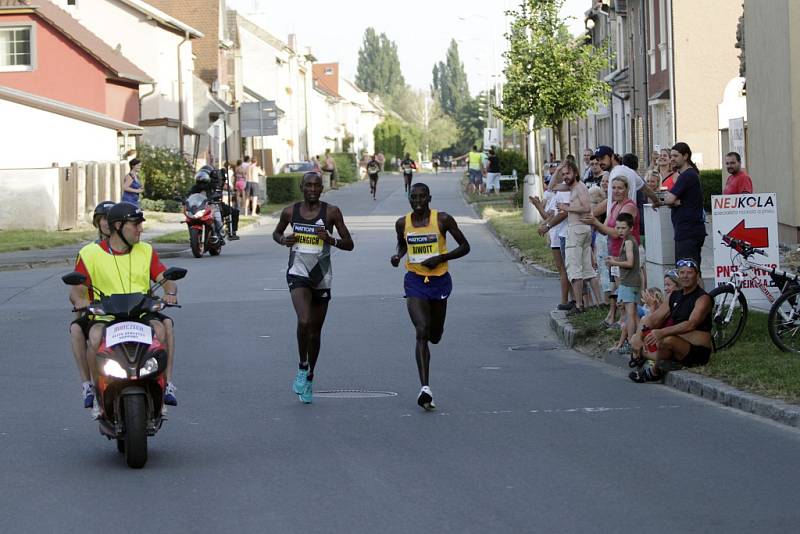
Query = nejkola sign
x=752 y=218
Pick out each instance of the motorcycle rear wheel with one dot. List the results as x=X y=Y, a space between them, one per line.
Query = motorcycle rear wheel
x=135 y=430
x=196 y=242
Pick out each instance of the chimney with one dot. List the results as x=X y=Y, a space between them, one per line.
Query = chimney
x=293 y=42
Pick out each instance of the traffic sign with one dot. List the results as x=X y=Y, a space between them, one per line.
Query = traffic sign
x=257 y=119
x=752 y=218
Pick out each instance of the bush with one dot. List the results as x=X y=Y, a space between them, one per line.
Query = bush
x=511 y=160
x=346 y=170
x=284 y=188
x=169 y=206
x=711 y=182
x=165 y=172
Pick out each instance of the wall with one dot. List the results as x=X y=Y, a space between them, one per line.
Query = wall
x=705 y=61
x=122 y=101
x=30 y=199
x=58 y=139
x=62 y=71
x=773 y=106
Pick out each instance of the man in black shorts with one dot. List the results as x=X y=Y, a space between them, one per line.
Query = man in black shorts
x=373 y=170
x=309 y=274
x=421 y=235
x=408 y=166
x=687 y=337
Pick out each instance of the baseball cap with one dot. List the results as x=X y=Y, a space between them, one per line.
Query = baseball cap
x=603 y=150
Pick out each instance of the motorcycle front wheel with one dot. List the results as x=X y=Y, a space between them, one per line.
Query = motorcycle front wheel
x=196 y=242
x=135 y=407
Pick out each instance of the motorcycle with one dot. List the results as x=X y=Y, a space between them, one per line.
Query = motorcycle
x=199 y=213
x=130 y=380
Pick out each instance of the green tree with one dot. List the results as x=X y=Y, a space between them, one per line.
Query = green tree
x=378 y=68
x=549 y=77
x=441 y=132
x=165 y=172
x=450 y=81
x=389 y=137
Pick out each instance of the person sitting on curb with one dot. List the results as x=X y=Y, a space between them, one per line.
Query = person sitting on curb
x=687 y=340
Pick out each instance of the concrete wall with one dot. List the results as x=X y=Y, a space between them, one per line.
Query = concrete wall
x=31 y=199
x=773 y=105
x=705 y=61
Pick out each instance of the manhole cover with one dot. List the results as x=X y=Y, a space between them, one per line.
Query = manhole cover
x=534 y=347
x=353 y=394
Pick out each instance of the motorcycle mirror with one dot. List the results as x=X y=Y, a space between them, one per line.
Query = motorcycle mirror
x=73 y=279
x=174 y=273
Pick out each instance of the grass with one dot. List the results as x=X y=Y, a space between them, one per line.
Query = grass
x=13 y=240
x=507 y=222
x=753 y=364
x=182 y=236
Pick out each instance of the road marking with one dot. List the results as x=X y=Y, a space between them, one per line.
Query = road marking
x=265 y=337
x=274 y=289
x=490 y=368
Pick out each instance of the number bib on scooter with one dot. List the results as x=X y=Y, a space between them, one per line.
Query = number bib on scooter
x=128 y=332
x=306 y=239
x=421 y=247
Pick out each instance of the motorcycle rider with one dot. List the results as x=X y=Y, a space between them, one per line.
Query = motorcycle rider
x=79 y=328
x=105 y=267
x=207 y=181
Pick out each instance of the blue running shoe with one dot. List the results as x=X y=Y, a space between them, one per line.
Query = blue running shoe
x=88 y=394
x=169 y=395
x=300 y=379
x=307 y=394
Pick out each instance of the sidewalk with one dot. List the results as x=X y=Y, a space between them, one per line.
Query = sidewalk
x=65 y=255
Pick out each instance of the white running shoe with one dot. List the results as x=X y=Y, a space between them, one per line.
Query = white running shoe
x=425 y=399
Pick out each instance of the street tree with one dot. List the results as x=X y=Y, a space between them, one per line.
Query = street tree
x=550 y=77
x=378 y=70
x=450 y=81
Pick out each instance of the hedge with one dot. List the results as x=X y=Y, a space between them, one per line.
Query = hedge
x=511 y=160
x=284 y=187
x=711 y=182
x=165 y=172
x=169 y=206
x=346 y=170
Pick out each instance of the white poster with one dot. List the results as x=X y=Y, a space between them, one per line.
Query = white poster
x=736 y=137
x=752 y=218
x=128 y=332
x=491 y=137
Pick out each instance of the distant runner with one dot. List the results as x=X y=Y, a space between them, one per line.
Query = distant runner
x=421 y=235
x=373 y=171
x=309 y=274
x=408 y=166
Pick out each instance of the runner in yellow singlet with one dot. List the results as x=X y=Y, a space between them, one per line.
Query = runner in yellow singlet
x=421 y=235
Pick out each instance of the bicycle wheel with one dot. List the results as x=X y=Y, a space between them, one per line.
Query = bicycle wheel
x=728 y=316
x=783 y=322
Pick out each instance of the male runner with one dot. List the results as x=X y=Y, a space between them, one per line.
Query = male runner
x=421 y=234
x=309 y=274
x=373 y=170
x=408 y=166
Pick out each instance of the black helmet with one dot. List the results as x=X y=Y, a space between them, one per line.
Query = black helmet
x=100 y=210
x=208 y=168
x=124 y=212
x=202 y=176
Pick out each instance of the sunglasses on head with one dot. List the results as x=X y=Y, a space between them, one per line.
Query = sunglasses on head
x=688 y=262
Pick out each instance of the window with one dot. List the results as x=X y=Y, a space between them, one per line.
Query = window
x=72 y=2
x=16 y=48
x=662 y=29
x=328 y=70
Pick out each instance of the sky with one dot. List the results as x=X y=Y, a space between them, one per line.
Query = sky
x=422 y=30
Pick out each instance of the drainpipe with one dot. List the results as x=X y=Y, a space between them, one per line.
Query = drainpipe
x=180 y=93
x=671 y=57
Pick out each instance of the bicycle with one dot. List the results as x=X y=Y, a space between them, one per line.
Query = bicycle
x=729 y=313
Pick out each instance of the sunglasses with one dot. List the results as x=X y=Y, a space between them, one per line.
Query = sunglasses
x=687 y=263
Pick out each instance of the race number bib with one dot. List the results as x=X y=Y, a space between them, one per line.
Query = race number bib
x=128 y=332
x=422 y=247
x=306 y=239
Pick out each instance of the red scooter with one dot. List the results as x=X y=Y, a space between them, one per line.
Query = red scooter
x=199 y=213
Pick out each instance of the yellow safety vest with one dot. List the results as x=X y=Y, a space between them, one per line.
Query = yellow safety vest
x=475 y=159
x=425 y=242
x=121 y=273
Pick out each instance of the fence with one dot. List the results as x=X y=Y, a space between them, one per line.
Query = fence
x=58 y=198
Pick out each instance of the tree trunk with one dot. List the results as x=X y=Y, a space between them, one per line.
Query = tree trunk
x=562 y=146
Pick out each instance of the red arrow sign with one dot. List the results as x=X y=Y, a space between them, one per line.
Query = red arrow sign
x=757 y=237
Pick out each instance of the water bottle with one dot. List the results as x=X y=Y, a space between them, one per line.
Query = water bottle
x=514 y=174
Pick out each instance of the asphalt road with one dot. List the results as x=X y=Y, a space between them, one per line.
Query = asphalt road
x=534 y=440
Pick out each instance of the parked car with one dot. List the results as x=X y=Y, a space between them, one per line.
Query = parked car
x=300 y=166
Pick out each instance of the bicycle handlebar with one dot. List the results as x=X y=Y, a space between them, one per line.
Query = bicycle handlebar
x=741 y=246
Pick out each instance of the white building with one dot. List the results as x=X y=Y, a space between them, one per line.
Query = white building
x=161 y=46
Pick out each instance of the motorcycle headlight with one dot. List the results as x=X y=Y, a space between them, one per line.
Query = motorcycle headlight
x=113 y=368
x=149 y=367
x=199 y=213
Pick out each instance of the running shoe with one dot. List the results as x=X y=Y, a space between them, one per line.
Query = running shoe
x=300 y=380
x=425 y=399
x=88 y=394
x=625 y=349
x=95 y=410
x=641 y=376
x=307 y=394
x=169 y=395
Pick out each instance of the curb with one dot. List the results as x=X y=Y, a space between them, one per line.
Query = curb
x=688 y=382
